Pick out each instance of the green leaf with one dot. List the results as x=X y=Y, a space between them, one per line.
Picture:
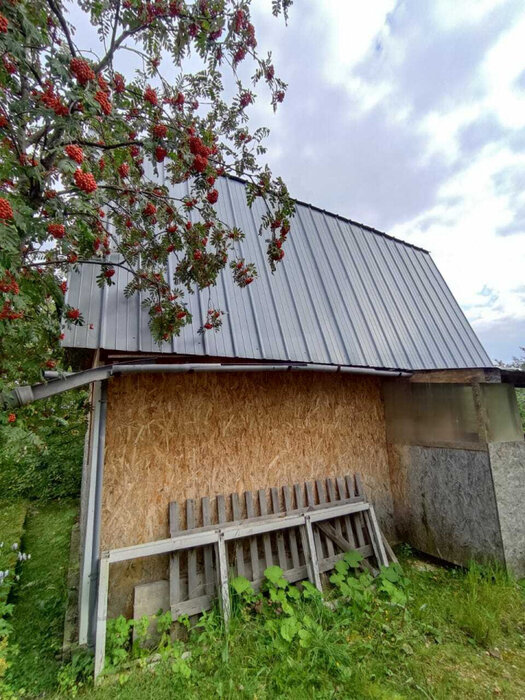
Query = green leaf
x=353 y=559
x=273 y=574
x=240 y=584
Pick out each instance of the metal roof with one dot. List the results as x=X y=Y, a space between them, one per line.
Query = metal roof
x=345 y=294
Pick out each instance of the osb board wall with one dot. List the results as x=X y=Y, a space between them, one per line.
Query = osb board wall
x=177 y=436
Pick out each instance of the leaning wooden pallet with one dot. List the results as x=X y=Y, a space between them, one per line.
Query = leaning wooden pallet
x=345 y=521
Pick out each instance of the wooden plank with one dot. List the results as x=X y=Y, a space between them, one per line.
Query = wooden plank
x=209 y=571
x=254 y=555
x=102 y=612
x=281 y=549
x=222 y=559
x=299 y=502
x=239 y=551
x=389 y=551
x=358 y=520
x=310 y=500
x=313 y=563
x=175 y=592
x=234 y=530
x=329 y=530
x=192 y=554
x=342 y=492
x=221 y=508
x=328 y=544
x=332 y=496
x=194 y=606
x=267 y=542
x=377 y=538
x=292 y=533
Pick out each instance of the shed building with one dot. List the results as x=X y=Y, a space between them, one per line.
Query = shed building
x=353 y=357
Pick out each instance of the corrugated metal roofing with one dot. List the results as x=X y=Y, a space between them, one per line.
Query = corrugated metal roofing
x=345 y=294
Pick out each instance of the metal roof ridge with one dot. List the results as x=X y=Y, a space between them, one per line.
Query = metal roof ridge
x=366 y=227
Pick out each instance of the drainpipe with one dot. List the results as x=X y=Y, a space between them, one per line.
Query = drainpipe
x=91 y=544
x=22 y=395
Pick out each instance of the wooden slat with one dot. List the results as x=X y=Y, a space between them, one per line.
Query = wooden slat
x=267 y=542
x=281 y=549
x=222 y=565
x=254 y=555
x=310 y=500
x=239 y=551
x=332 y=496
x=209 y=572
x=192 y=553
x=292 y=533
x=175 y=593
x=221 y=508
x=329 y=546
x=299 y=502
x=313 y=562
x=342 y=493
x=358 y=519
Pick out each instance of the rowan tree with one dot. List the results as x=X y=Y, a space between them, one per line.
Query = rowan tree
x=90 y=157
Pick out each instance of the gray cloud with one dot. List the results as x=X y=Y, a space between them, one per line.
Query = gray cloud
x=503 y=337
x=474 y=136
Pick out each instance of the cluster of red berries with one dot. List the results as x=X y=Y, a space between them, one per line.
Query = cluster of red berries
x=150 y=209
x=212 y=196
x=63 y=287
x=85 y=181
x=123 y=170
x=56 y=230
x=109 y=272
x=3 y=24
x=245 y=99
x=81 y=70
x=103 y=100
x=7 y=312
x=73 y=315
x=8 y=64
x=6 y=211
x=11 y=418
x=150 y=96
x=9 y=284
x=75 y=153
x=160 y=131
x=243 y=274
x=3 y=121
x=160 y=153
x=118 y=83
x=52 y=101
x=213 y=319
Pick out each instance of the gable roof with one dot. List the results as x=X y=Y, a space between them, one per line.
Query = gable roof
x=345 y=294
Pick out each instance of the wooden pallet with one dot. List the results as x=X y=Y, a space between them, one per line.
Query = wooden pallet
x=194 y=573
x=305 y=530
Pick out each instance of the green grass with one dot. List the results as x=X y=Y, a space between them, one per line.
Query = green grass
x=40 y=598
x=462 y=634
x=12 y=517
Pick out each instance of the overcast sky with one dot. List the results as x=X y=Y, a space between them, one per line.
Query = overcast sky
x=409 y=116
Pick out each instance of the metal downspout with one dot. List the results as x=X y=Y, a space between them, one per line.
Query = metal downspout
x=95 y=553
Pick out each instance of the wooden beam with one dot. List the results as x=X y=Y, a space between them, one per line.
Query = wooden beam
x=457 y=376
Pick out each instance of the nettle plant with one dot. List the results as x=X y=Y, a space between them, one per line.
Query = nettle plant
x=82 y=146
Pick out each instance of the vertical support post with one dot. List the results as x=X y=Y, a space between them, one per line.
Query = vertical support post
x=223 y=577
x=377 y=539
x=102 y=611
x=313 y=563
x=90 y=484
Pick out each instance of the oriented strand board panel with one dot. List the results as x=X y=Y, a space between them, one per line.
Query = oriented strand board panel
x=177 y=436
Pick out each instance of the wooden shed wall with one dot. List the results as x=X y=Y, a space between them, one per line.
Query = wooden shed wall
x=177 y=436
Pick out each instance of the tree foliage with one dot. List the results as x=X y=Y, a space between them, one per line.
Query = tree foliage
x=92 y=154
x=89 y=156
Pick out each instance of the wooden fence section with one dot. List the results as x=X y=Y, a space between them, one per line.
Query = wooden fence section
x=305 y=530
x=193 y=574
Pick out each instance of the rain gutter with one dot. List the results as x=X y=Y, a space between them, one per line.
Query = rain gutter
x=22 y=395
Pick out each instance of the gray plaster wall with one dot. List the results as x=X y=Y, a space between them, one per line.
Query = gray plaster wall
x=507 y=460
x=444 y=502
